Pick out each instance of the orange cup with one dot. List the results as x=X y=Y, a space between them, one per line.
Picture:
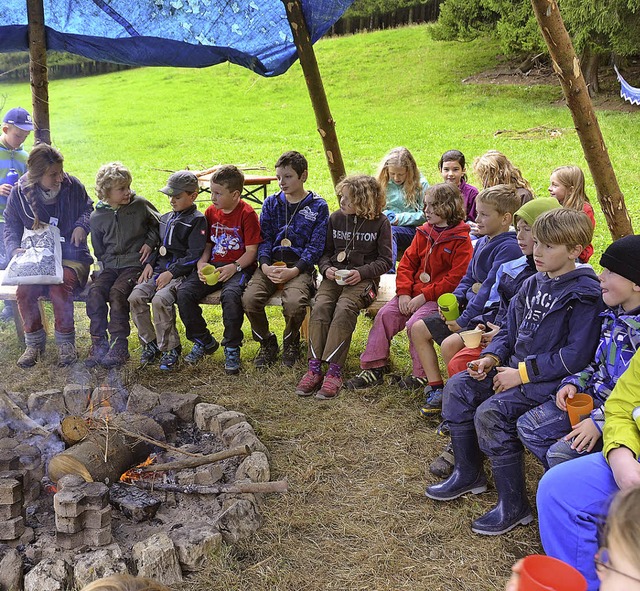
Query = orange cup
x=544 y=573
x=579 y=407
x=279 y=264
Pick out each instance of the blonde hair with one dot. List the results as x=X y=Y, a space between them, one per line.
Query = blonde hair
x=111 y=175
x=125 y=582
x=494 y=168
x=563 y=226
x=365 y=195
x=623 y=522
x=572 y=178
x=41 y=158
x=447 y=202
x=503 y=198
x=411 y=187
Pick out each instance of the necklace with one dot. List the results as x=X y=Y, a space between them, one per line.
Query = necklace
x=168 y=235
x=344 y=254
x=287 y=221
x=424 y=276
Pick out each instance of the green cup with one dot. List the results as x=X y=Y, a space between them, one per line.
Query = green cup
x=448 y=304
x=211 y=274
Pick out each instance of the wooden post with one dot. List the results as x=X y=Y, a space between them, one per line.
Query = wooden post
x=567 y=66
x=38 y=71
x=324 y=120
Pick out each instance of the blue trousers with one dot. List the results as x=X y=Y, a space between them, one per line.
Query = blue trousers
x=573 y=501
x=401 y=238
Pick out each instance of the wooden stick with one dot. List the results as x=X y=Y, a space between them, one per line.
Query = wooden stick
x=15 y=411
x=198 y=461
x=276 y=486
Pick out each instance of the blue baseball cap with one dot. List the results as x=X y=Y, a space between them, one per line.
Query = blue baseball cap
x=20 y=118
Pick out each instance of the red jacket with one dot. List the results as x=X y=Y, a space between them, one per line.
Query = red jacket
x=585 y=255
x=447 y=255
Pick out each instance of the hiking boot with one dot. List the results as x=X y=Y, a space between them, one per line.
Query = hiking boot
x=442 y=466
x=150 y=353
x=268 y=353
x=199 y=350
x=67 y=354
x=433 y=402
x=330 y=387
x=290 y=351
x=170 y=359
x=30 y=356
x=309 y=383
x=411 y=382
x=232 y=361
x=99 y=348
x=367 y=378
x=118 y=354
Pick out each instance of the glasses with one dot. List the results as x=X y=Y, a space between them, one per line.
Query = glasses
x=603 y=561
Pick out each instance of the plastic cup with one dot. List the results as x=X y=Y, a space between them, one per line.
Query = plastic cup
x=471 y=338
x=279 y=264
x=448 y=304
x=341 y=275
x=544 y=573
x=211 y=274
x=579 y=407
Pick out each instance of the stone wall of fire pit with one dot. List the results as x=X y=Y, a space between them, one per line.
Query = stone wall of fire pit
x=63 y=528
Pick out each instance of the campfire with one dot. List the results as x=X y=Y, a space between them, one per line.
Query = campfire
x=99 y=481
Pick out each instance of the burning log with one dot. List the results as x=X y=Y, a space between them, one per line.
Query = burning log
x=238 y=487
x=243 y=450
x=106 y=453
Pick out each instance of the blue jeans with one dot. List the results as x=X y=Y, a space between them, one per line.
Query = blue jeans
x=401 y=238
x=573 y=501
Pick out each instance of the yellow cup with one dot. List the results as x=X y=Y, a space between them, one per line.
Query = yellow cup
x=579 y=407
x=471 y=338
x=211 y=274
x=448 y=304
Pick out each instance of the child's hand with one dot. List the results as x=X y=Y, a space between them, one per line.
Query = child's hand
x=163 y=279
x=567 y=391
x=146 y=274
x=145 y=252
x=479 y=368
x=227 y=272
x=330 y=273
x=506 y=378
x=487 y=337
x=353 y=277
x=453 y=325
x=415 y=303
x=403 y=305
x=78 y=237
x=5 y=189
x=585 y=435
x=513 y=584
x=474 y=228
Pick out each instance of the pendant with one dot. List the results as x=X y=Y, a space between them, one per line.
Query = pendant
x=162 y=250
x=475 y=288
x=425 y=277
x=342 y=255
x=285 y=242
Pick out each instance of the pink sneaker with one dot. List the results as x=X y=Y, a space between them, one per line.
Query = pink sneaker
x=330 y=387
x=309 y=383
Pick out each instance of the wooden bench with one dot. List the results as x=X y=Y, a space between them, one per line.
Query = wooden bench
x=386 y=292
x=255 y=186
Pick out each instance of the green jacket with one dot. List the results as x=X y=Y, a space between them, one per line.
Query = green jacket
x=620 y=430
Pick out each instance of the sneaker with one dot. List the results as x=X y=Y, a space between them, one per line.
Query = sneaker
x=199 y=350
x=232 y=361
x=443 y=429
x=367 y=378
x=433 y=403
x=291 y=352
x=442 y=466
x=309 y=383
x=411 y=382
x=30 y=356
x=150 y=353
x=67 y=354
x=330 y=387
x=118 y=354
x=99 y=348
x=268 y=353
x=170 y=359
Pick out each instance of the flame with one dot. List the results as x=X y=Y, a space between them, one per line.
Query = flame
x=135 y=473
x=50 y=489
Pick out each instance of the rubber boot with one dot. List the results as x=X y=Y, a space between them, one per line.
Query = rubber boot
x=513 y=506
x=468 y=474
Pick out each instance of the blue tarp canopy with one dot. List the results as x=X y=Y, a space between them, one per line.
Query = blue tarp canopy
x=187 y=33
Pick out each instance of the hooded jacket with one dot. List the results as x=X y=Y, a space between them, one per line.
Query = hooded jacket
x=447 y=253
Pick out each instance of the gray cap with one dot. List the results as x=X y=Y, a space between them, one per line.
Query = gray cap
x=183 y=180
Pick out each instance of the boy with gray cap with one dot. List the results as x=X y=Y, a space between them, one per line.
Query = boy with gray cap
x=182 y=240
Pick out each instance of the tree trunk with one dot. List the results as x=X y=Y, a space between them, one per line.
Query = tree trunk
x=567 y=67
x=590 y=62
x=38 y=71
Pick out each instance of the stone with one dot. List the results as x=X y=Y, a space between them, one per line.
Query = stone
x=108 y=397
x=48 y=405
x=157 y=558
x=205 y=413
x=142 y=400
x=10 y=511
x=166 y=419
x=136 y=504
x=238 y=520
x=10 y=491
x=49 y=575
x=203 y=476
x=76 y=398
x=232 y=429
x=85 y=537
x=225 y=420
x=11 y=577
x=195 y=544
x=98 y=564
x=254 y=467
x=181 y=405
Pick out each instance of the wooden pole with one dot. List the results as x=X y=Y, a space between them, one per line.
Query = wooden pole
x=324 y=120
x=38 y=71
x=567 y=67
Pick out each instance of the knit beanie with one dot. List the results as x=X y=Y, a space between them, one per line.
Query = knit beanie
x=623 y=257
x=530 y=211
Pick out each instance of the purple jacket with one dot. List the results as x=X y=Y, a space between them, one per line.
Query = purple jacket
x=469 y=194
x=73 y=209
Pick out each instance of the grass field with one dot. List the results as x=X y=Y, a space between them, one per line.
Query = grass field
x=356 y=517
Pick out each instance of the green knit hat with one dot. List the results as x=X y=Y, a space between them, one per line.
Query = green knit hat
x=530 y=211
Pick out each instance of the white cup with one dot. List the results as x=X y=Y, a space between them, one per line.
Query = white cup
x=341 y=275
